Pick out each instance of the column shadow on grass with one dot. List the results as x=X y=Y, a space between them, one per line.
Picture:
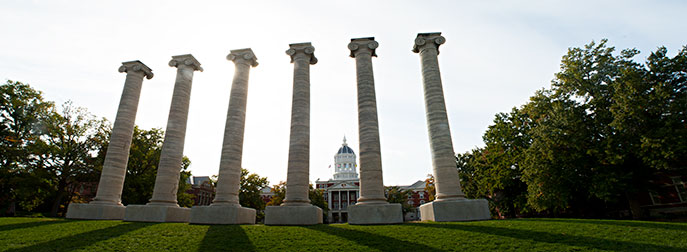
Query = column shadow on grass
x=571 y=240
x=29 y=224
x=226 y=238
x=80 y=240
x=375 y=241
x=660 y=225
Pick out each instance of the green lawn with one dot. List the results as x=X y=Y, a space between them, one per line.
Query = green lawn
x=43 y=234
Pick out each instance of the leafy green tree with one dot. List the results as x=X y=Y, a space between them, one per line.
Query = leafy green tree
x=316 y=197
x=67 y=151
x=144 y=157
x=249 y=192
x=184 y=199
x=279 y=191
x=395 y=194
x=22 y=112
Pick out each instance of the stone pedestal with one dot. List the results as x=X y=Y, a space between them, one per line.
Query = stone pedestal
x=107 y=203
x=220 y=214
x=372 y=207
x=296 y=209
x=95 y=211
x=163 y=205
x=450 y=203
x=293 y=215
x=157 y=213
x=375 y=214
x=456 y=210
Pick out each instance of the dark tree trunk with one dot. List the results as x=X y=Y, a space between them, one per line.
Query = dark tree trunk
x=633 y=202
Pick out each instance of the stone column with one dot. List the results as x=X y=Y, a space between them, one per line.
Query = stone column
x=225 y=208
x=450 y=203
x=163 y=206
x=296 y=209
x=372 y=207
x=107 y=203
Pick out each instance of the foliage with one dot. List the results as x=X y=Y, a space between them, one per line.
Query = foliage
x=606 y=125
x=429 y=186
x=184 y=199
x=22 y=112
x=249 y=192
x=279 y=191
x=44 y=234
x=67 y=152
x=316 y=197
x=395 y=194
x=144 y=158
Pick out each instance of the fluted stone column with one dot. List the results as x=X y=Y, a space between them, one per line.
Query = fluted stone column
x=372 y=207
x=225 y=208
x=107 y=203
x=450 y=203
x=163 y=206
x=296 y=209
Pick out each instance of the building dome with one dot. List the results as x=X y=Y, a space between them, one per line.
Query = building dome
x=345 y=150
x=344 y=163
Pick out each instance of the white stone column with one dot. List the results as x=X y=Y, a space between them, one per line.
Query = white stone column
x=296 y=209
x=225 y=208
x=371 y=206
x=163 y=205
x=107 y=203
x=446 y=180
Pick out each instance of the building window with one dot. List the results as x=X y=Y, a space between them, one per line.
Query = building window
x=335 y=205
x=422 y=202
x=410 y=202
x=681 y=188
x=422 y=195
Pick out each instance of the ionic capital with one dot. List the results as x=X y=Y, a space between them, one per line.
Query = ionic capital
x=302 y=48
x=245 y=55
x=136 y=66
x=428 y=40
x=185 y=60
x=363 y=45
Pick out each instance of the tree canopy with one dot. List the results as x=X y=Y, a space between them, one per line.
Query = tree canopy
x=588 y=143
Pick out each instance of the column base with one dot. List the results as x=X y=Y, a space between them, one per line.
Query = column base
x=293 y=215
x=456 y=210
x=363 y=214
x=156 y=213
x=95 y=211
x=219 y=214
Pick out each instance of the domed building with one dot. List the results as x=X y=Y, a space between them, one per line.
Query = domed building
x=344 y=187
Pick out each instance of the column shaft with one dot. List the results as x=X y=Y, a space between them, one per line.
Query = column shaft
x=117 y=156
x=446 y=180
x=299 y=144
x=169 y=168
x=228 y=181
x=371 y=181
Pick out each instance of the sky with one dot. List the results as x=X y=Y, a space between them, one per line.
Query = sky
x=496 y=55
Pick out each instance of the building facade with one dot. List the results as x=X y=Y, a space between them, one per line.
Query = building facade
x=344 y=188
x=202 y=190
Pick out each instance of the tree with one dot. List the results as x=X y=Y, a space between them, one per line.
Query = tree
x=395 y=194
x=22 y=111
x=144 y=157
x=249 y=192
x=316 y=197
x=279 y=191
x=67 y=151
x=429 y=187
x=184 y=199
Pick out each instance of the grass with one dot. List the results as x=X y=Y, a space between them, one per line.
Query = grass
x=45 y=234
